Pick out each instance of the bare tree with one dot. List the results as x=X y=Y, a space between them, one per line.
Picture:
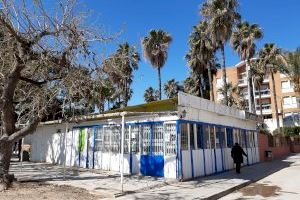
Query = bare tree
x=44 y=56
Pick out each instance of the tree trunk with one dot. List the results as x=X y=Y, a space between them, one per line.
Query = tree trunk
x=200 y=94
x=224 y=75
x=260 y=104
x=250 y=90
x=159 y=82
x=275 y=101
x=210 y=80
x=5 y=156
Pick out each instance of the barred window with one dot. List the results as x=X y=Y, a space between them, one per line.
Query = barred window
x=134 y=139
x=115 y=139
x=200 y=137
x=126 y=139
x=158 y=139
x=212 y=136
x=184 y=136
x=192 y=136
x=229 y=133
x=145 y=133
x=218 y=137
x=106 y=138
x=170 y=138
x=99 y=139
x=206 y=137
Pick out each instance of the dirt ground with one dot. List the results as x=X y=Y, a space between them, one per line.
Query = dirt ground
x=38 y=190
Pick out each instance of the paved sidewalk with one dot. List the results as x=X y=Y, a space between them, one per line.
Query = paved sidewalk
x=107 y=184
x=284 y=184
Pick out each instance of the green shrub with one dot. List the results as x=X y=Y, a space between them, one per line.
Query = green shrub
x=288 y=131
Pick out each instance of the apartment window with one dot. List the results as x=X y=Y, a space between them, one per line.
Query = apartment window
x=290 y=101
x=285 y=85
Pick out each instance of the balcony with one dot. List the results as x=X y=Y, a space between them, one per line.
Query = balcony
x=266 y=109
x=264 y=93
x=242 y=82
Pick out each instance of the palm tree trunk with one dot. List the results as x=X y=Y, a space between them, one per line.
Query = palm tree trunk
x=159 y=82
x=211 y=88
x=250 y=86
x=200 y=94
x=260 y=104
x=275 y=101
x=224 y=75
x=126 y=93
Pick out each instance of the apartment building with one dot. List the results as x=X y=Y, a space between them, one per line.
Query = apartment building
x=287 y=99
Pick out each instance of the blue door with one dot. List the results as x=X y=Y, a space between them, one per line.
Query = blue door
x=152 y=155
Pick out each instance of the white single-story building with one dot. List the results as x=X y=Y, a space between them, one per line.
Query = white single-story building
x=181 y=138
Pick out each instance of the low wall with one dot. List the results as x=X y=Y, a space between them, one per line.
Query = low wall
x=279 y=146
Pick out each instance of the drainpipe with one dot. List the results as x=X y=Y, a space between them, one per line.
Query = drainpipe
x=122 y=148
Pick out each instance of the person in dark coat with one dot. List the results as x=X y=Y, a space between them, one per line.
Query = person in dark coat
x=237 y=153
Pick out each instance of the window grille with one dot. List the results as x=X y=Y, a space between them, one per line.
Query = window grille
x=212 y=136
x=184 y=136
x=206 y=137
x=145 y=133
x=200 y=137
x=99 y=139
x=134 y=139
x=229 y=133
x=106 y=138
x=192 y=136
x=158 y=139
x=170 y=138
x=218 y=137
x=126 y=139
x=115 y=139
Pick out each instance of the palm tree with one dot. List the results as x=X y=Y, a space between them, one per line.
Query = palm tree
x=119 y=67
x=221 y=16
x=243 y=42
x=155 y=49
x=272 y=59
x=258 y=74
x=151 y=95
x=201 y=55
x=234 y=96
x=293 y=68
x=171 y=88
x=191 y=85
x=128 y=59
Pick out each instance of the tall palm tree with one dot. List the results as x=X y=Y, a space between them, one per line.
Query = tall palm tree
x=293 y=68
x=171 y=88
x=273 y=60
x=201 y=54
x=191 y=85
x=119 y=67
x=128 y=59
x=243 y=42
x=155 y=49
x=258 y=74
x=151 y=95
x=234 y=96
x=221 y=16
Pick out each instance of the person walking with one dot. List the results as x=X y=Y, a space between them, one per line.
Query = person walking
x=237 y=153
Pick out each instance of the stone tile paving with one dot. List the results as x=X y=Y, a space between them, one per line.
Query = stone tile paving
x=107 y=184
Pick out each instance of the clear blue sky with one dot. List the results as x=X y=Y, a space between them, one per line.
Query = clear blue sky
x=279 y=19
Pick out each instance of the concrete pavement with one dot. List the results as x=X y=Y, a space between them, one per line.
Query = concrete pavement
x=107 y=184
x=283 y=184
